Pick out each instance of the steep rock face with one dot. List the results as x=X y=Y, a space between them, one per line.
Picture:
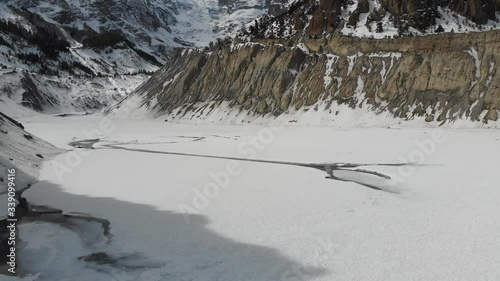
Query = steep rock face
x=479 y=11
x=324 y=18
x=439 y=78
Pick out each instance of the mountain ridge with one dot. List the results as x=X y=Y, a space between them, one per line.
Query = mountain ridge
x=438 y=78
x=59 y=55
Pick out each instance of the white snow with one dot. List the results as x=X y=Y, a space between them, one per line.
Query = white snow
x=323 y=113
x=271 y=221
x=352 y=60
x=303 y=48
x=491 y=71
x=18 y=151
x=331 y=60
x=477 y=63
x=364 y=29
x=359 y=91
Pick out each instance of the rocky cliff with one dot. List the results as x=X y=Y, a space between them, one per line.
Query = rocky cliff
x=438 y=78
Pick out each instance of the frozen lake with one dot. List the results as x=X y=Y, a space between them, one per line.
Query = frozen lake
x=176 y=214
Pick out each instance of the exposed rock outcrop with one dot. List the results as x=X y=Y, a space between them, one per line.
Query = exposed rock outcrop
x=439 y=77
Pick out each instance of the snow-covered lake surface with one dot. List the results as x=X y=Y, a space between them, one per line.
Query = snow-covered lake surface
x=184 y=217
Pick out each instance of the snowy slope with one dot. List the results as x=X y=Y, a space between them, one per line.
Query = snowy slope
x=153 y=26
x=320 y=114
x=379 y=18
x=233 y=15
x=61 y=55
x=25 y=92
x=366 y=26
x=45 y=69
x=23 y=152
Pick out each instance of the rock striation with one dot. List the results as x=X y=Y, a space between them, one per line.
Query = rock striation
x=440 y=77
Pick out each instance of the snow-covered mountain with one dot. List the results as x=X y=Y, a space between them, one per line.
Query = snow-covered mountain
x=233 y=15
x=60 y=55
x=79 y=55
x=379 y=18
